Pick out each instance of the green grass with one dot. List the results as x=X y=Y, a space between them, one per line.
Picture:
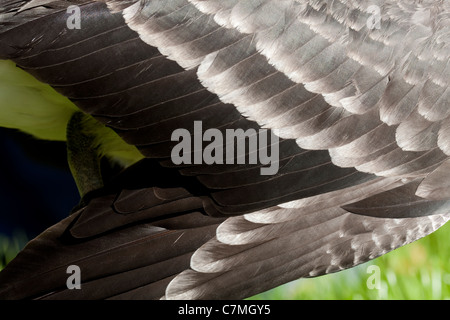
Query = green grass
x=9 y=247
x=420 y=270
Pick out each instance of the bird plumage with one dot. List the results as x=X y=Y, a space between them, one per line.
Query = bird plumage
x=361 y=110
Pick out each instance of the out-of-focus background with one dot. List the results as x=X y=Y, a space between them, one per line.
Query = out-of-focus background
x=37 y=190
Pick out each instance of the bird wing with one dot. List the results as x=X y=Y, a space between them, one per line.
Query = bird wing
x=358 y=99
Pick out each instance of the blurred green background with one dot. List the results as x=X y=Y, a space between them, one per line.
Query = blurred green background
x=420 y=270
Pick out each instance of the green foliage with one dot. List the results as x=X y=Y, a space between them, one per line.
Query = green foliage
x=9 y=247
